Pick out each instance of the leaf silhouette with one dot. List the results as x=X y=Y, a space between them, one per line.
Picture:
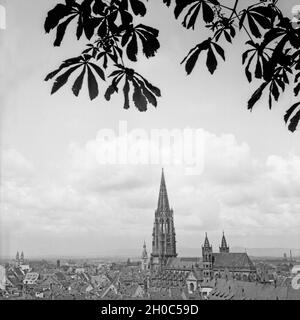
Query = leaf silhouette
x=92 y=84
x=138 y=98
x=73 y=64
x=78 y=82
x=143 y=91
x=290 y=111
x=138 y=7
x=211 y=60
x=147 y=93
x=126 y=89
x=132 y=48
x=59 y=12
x=294 y=120
x=61 y=30
x=193 y=55
x=193 y=8
x=62 y=79
x=257 y=17
x=256 y=95
x=99 y=71
x=150 y=86
x=148 y=37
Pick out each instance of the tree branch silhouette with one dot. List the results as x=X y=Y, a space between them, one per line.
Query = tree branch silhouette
x=272 y=53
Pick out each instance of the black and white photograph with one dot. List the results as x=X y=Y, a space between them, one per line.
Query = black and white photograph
x=150 y=150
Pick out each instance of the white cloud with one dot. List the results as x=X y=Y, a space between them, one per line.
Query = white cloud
x=249 y=198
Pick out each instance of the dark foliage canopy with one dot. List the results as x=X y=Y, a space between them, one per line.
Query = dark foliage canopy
x=271 y=56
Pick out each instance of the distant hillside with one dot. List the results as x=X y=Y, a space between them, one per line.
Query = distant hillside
x=134 y=254
x=268 y=252
x=256 y=252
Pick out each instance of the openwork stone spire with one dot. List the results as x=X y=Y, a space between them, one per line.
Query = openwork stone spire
x=163 y=236
x=163 y=201
x=224 y=247
x=206 y=242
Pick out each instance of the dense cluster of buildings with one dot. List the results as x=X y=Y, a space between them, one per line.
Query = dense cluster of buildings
x=222 y=275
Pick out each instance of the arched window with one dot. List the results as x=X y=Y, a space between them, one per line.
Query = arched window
x=192 y=287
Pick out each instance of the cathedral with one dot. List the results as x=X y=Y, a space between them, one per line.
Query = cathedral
x=206 y=266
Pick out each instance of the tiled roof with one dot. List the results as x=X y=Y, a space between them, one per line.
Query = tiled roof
x=31 y=276
x=128 y=290
x=183 y=263
x=60 y=276
x=242 y=290
x=232 y=260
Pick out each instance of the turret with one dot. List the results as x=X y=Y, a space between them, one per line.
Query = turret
x=224 y=248
x=144 y=262
x=22 y=258
x=207 y=258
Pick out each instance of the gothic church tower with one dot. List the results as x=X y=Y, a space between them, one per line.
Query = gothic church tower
x=163 y=236
x=207 y=258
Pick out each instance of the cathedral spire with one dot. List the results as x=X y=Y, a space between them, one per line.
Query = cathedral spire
x=206 y=242
x=223 y=243
x=163 y=235
x=163 y=201
x=224 y=247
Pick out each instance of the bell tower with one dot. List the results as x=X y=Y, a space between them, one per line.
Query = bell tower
x=207 y=258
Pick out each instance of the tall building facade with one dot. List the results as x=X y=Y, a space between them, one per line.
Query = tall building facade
x=163 y=236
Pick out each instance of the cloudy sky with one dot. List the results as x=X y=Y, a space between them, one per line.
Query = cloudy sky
x=57 y=199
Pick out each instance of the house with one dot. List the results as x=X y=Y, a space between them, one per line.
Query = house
x=79 y=270
x=133 y=290
x=194 y=280
x=243 y=290
x=31 y=278
x=99 y=280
